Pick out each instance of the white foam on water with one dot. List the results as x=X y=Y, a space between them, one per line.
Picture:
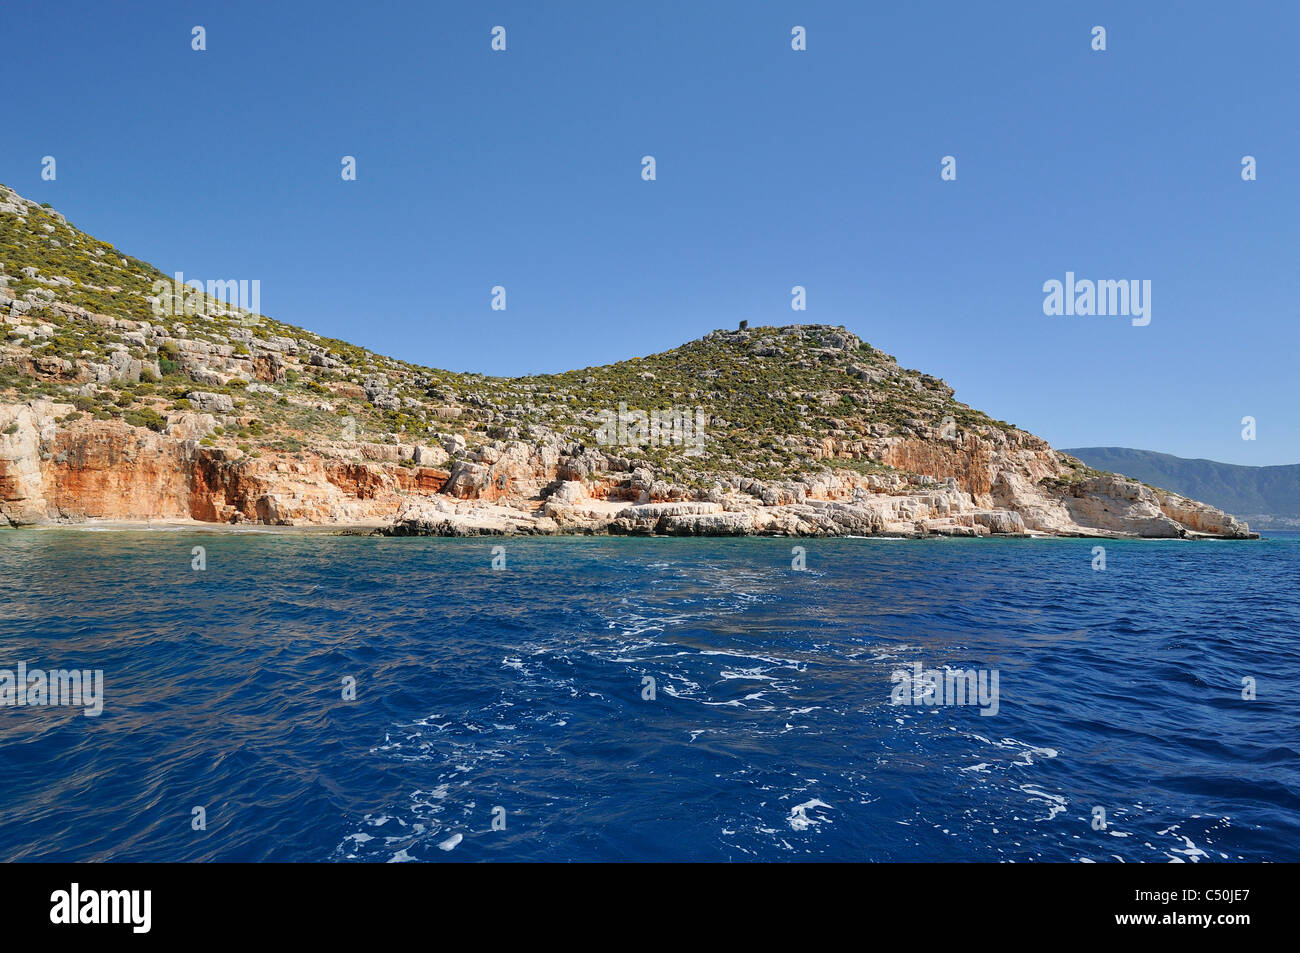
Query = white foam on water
x=785 y=662
x=451 y=842
x=1056 y=803
x=799 y=819
x=1189 y=850
x=753 y=674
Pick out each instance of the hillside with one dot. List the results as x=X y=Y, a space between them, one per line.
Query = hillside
x=1268 y=496
x=124 y=398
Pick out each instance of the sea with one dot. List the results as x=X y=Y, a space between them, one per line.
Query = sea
x=289 y=696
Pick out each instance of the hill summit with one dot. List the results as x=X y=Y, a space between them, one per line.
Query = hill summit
x=125 y=396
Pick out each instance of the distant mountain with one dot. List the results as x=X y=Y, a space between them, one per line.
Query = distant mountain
x=1265 y=496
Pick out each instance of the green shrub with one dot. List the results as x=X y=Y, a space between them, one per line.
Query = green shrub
x=146 y=417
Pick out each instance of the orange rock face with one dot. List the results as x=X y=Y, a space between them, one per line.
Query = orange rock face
x=316 y=489
x=115 y=471
x=110 y=470
x=963 y=486
x=973 y=462
x=970 y=467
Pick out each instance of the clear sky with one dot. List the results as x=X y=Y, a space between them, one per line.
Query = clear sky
x=775 y=168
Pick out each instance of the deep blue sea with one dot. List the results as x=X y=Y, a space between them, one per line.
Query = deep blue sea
x=519 y=695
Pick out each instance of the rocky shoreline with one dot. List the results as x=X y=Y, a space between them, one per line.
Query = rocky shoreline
x=52 y=472
x=812 y=518
x=127 y=396
x=543 y=531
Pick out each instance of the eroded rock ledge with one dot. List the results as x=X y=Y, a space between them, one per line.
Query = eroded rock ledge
x=92 y=469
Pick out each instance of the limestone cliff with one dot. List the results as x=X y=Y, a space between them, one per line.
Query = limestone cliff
x=124 y=398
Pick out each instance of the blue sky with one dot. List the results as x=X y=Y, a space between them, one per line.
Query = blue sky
x=775 y=168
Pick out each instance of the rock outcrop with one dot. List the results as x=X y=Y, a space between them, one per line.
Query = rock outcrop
x=123 y=397
x=110 y=470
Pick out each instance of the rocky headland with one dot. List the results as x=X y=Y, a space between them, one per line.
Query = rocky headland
x=123 y=398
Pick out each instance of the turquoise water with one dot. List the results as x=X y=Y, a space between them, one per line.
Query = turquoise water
x=770 y=733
